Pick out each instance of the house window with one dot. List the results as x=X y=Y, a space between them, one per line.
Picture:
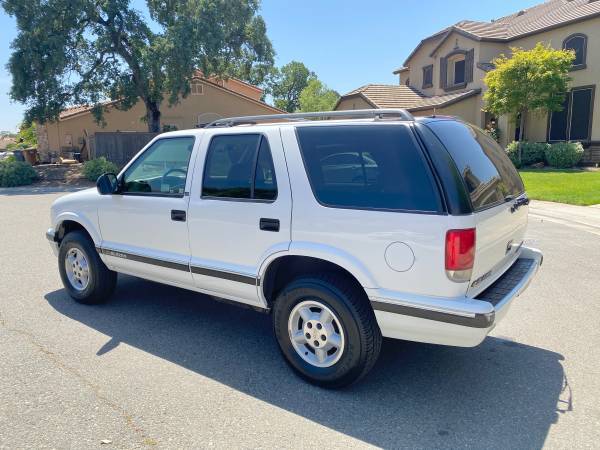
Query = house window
x=577 y=43
x=456 y=69
x=574 y=122
x=427 y=76
x=459 y=71
x=197 y=88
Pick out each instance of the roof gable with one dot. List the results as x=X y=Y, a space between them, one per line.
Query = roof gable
x=538 y=18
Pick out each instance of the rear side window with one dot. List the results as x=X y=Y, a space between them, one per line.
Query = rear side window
x=489 y=176
x=239 y=166
x=371 y=167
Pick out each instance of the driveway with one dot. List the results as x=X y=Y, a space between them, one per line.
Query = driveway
x=160 y=367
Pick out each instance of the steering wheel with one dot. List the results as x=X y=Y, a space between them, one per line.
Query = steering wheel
x=170 y=171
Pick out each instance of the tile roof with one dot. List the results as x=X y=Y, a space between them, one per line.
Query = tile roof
x=79 y=109
x=401 y=96
x=536 y=19
x=388 y=96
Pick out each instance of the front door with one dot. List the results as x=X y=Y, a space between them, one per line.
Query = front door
x=239 y=211
x=574 y=122
x=144 y=227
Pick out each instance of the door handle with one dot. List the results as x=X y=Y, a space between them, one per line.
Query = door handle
x=269 y=224
x=177 y=215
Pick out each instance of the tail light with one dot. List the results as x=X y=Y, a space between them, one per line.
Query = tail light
x=460 y=254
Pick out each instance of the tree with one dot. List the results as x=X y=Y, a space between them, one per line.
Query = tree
x=87 y=51
x=26 y=137
x=317 y=97
x=533 y=80
x=287 y=83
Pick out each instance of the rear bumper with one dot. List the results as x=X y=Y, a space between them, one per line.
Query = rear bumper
x=463 y=322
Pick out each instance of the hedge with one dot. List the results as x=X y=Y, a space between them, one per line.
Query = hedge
x=16 y=173
x=94 y=168
x=531 y=153
x=564 y=155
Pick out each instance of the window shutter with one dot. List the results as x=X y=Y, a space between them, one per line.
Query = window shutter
x=443 y=72
x=469 y=59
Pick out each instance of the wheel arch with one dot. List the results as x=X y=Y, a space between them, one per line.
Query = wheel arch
x=68 y=222
x=282 y=268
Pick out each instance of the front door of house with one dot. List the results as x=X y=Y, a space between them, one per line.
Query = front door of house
x=574 y=122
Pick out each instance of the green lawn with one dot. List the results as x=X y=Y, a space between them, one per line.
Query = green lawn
x=577 y=187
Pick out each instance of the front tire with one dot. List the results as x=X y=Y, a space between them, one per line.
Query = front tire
x=326 y=330
x=85 y=277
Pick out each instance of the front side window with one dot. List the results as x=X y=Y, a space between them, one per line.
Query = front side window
x=577 y=43
x=239 y=166
x=488 y=174
x=161 y=169
x=367 y=167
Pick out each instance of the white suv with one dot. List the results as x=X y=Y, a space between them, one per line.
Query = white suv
x=347 y=230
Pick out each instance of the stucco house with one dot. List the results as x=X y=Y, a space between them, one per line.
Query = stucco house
x=209 y=99
x=444 y=73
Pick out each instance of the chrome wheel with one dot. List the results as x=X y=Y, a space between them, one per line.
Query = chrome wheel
x=77 y=269
x=316 y=333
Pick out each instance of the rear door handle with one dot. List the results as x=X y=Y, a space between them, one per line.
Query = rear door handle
x=269 y=224
x=177 y=215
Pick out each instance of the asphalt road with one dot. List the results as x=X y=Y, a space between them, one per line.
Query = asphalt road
x=165 y=368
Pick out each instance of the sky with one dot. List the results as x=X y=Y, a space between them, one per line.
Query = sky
x=347 y=43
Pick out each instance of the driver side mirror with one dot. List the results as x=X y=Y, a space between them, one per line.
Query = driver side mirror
x=107 y=184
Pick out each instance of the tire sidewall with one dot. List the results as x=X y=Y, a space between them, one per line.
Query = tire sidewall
x=84 y=246
x=329 y=296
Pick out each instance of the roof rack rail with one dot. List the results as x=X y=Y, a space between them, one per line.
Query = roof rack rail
x=403 y=114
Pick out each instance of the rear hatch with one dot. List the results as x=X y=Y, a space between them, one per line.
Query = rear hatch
x=497 y=197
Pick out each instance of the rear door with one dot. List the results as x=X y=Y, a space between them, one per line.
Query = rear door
x=495 y=190
x=239 y=210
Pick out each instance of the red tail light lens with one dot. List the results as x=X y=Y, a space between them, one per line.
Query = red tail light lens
x=460 y=254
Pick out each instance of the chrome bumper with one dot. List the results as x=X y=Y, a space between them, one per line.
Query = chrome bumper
x=51 y=236
x=454 y=321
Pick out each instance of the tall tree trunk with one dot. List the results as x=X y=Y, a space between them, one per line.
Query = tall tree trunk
x=521 y=133
x=153 y=117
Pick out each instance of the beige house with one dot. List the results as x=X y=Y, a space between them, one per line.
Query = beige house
x=444 y=73
x=209 y=99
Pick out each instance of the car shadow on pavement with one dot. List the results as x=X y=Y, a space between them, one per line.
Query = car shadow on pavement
x=501 y=394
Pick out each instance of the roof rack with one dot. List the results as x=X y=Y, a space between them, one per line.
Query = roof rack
x=403 y=114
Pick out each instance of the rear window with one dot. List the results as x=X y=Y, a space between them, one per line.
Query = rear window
x=370 y=167
x=490 y=177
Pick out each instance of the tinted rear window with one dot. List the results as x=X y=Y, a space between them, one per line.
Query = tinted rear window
x=373 y=167
x=488 y=174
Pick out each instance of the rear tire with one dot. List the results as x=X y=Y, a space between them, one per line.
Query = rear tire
x=85 y=277
x=336 y=352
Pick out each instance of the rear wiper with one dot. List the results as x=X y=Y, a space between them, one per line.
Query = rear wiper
x=520 y=202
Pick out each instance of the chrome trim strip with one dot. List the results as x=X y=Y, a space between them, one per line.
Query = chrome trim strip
x=186 y=267
x=475 y=321
x=224 y=275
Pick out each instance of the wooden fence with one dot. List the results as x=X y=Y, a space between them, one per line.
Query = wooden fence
x=118 y=147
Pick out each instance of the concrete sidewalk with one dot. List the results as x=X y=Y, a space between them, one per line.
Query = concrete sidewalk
x=586 y=218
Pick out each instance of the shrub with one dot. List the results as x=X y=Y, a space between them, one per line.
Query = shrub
x=16 y=173
x=564 y=155
x=531 y=153
x=94 y=168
